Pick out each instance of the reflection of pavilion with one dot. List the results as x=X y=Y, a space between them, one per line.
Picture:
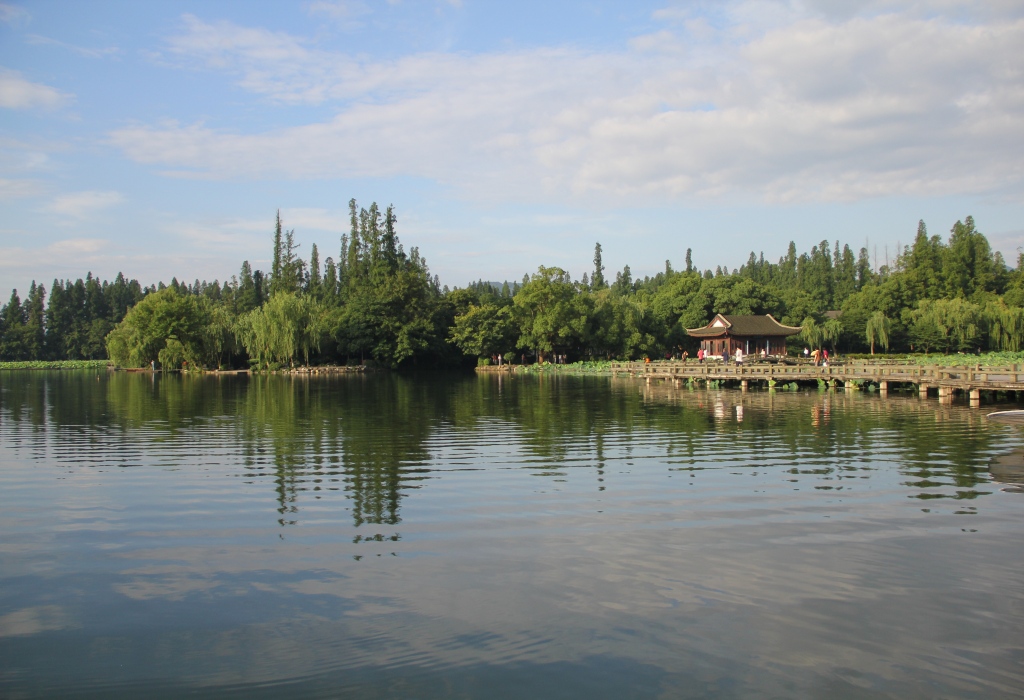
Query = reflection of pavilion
x=1009 y=469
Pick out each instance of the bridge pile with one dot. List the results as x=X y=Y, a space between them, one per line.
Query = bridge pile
x=944 y=380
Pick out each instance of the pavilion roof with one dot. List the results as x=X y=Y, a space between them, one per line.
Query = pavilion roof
x=761 y=326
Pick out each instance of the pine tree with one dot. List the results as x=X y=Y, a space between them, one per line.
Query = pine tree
x=35 y=325
x=330 y=283
x=275 y=270
x=597 y=280
x=12 y=340
x=314 y=286
x=246 y=298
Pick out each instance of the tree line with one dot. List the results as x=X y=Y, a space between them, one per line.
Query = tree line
x=376 y=301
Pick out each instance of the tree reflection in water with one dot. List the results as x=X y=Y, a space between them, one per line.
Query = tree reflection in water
x=375 y=438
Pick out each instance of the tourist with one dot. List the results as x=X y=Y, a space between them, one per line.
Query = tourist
x=816 y=356
x=725 y=356
x=700 y=355
x=684 y=355
x=739 y=356
x=806 y=353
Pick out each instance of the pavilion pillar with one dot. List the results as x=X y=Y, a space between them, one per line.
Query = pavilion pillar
x=975 y=397
x=883 y=387
x=922 y=390
x=744 y=384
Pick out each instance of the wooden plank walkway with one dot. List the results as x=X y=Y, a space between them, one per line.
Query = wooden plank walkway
x=946 y=379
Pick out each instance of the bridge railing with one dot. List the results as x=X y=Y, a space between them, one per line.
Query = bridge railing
x=917 y=374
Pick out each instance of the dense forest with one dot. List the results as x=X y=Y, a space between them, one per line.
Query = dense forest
x=378 y=302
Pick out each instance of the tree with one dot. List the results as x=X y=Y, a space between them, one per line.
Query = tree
x=35 y=327
x=275 y=269
x=287 y=273
x=247 y=297
x=485 y=330
x=948 y=324
x=12 y=344
x=597 y=279
x=877 y=329
x=166 y=326
x=547 y=317
x=314 y=282
x=831 y=331
x=1005 y=326
x=624 y=281
x=968 y=265
x=811 y=332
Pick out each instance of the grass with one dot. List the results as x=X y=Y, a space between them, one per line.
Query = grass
x=55 y=364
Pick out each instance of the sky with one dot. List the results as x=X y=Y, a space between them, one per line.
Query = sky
x=160 y=138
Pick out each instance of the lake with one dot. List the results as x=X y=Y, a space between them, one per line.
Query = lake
x=452 y=536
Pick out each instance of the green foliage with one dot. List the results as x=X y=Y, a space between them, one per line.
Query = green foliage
x=550 y=313
x=485 y=330
x=950 y=325
x=811 y=332
x=286 y=326
x=376 y=302
x=168 y=327
x=1005 y=325
x=877 y=330
x=54 y=364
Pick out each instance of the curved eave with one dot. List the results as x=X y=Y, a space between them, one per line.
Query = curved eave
x=782 y=332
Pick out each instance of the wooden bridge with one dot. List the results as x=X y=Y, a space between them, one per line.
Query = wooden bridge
x=945 y=380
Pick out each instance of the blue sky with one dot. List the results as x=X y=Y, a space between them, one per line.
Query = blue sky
x=159 y=138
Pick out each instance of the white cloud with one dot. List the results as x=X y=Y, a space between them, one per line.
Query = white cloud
x=345 y=12
x=785 y=106
x=72 y=256
x=80 y=205
x=76 y=246
x=18 y=93
x=13 y=15
x=14 y=189
x=85 y=51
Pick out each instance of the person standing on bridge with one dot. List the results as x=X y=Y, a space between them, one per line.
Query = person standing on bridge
x=739 y=356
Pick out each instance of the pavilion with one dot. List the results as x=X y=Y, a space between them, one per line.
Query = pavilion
x=751 y=333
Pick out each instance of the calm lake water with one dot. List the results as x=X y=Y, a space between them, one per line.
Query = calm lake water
x=516 y=537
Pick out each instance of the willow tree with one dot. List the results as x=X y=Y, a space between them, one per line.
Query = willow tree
x=811 y=332
x=281 y=329
x=830 y=332
x=1005 y=326
x=170 y=327
x=877 y=330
